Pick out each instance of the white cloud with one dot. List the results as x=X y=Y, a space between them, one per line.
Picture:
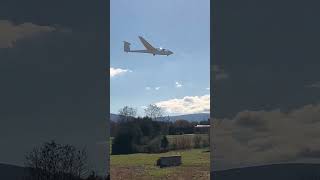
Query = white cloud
x=148 y=88
x=143 y=107
x=266 y=137
x=178 y=85
x=208 y=88
x=10 y=33
x=118 y=71
x=186 y=105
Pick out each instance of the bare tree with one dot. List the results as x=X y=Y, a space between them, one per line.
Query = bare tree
x=126 y=113
x=53 y=161
x=154 y=112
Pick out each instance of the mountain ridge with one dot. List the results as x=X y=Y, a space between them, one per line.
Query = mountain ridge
x=188 y=117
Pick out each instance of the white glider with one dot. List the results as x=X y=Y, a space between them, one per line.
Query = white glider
x=149 y=48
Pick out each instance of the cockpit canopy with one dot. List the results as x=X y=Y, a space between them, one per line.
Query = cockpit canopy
x=165 y=51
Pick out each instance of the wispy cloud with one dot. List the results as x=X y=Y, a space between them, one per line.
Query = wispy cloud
x=148 y=88
x=314 y=85
x=186 y=105
x=178 y=84
x=118 y=71
x=10 y=33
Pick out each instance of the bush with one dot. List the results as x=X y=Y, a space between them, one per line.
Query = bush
x=173 y=146
x=125 y=140
x=164 y=143
x=154 y=146
x=138 y=135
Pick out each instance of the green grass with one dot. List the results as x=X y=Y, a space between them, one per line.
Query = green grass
x=191 y=136
x=146 y=163
x=143 y=165
x=190 y=157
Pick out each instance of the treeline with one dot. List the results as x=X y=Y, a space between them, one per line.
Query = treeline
x=139 y=135
x=149 y=134
x=177 y=127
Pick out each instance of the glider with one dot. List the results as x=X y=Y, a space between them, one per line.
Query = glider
x=149 y=48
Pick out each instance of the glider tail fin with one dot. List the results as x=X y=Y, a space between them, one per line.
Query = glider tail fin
x=126 y=46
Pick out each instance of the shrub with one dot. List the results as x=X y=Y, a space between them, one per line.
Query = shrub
x=138 y=135
x=154 y=145
x=164 y=143
x=206 y=142
x=124 y=142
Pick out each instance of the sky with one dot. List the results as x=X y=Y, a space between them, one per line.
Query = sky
x=178 y=83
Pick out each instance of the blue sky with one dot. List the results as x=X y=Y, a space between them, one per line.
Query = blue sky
x=183 y=26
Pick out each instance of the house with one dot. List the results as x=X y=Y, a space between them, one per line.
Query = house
x=201 y=129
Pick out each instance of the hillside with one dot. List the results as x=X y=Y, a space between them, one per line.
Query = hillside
x=11 y=172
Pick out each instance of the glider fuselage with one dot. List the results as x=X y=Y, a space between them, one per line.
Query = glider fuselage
x=149 y=48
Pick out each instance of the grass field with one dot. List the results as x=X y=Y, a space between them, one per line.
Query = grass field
x=172 y=138
x=195 y=165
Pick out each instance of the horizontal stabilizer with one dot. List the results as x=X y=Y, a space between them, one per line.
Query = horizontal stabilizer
x=126 y=46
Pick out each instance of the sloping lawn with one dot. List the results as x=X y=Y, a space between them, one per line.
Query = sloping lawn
x=195 y=165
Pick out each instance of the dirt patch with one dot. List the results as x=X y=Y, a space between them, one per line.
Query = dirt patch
x=141 y=173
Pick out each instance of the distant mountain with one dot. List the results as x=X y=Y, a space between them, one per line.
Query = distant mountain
x=192 y=117
x=188 y=117
x=114 y=117
x=270 y=172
